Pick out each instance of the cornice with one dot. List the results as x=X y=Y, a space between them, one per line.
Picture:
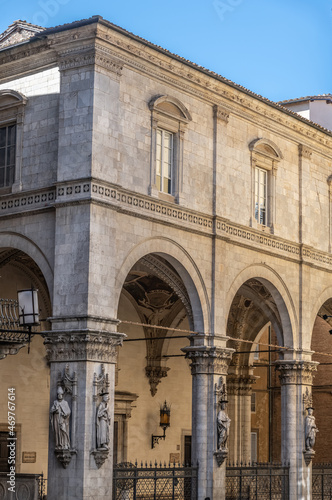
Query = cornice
x=206 y=86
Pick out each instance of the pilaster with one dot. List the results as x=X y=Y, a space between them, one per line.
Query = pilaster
x=83 y=371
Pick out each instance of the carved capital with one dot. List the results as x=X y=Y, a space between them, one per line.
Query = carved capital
x=81 y=346
x=304 y=152
x=296 y=372
x=220 y=114
x=208 y=360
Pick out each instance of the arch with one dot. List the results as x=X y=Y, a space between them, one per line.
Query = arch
x=264 y=146
x=183 y=263
x=170 y=106
x=18 y=241
x=322 y=298
x=279 y=292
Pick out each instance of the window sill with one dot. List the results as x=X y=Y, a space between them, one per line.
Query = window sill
x=166 y=197
x=265 y=229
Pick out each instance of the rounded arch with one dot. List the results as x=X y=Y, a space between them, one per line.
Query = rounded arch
x=183 y=263
x=20 y=242
x=279 y=292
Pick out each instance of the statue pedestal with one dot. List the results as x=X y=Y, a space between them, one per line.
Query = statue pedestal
x=308 y=456
x=221 y=455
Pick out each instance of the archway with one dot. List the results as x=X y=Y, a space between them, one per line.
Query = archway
x=25 y=374
x=258 y=323
x=158 y=306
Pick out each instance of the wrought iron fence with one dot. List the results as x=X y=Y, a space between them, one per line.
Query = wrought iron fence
x=322 y=481
x=10 y=329
x=263 y=481
x=42 y=487
x=161 y=482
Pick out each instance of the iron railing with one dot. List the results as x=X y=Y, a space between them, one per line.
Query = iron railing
x=322 y=481
x=10 y=329
x=257 y=481
x=161 y=482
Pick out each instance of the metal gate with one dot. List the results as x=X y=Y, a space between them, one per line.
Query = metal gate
x=322 y=481
x=259 y=481
x=161 y=482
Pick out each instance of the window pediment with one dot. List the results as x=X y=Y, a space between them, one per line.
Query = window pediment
x=11 y=98
x=170 y=107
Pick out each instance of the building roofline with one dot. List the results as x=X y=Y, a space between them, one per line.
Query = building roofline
x=99 y=19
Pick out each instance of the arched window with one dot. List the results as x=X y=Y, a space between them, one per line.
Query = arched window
x=265 y=156
x=169 y=118
x=11 y=126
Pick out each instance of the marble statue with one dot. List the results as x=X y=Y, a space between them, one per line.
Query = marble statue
x=310 y=430
x=103 y=423
x=60 y=414
x=223 y=424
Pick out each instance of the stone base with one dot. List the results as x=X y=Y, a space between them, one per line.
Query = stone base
x=64 y=456
x=100 y=456
x=308 y=456
x=221 y=455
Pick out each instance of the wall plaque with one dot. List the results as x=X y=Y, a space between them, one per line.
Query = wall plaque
x=29 y=457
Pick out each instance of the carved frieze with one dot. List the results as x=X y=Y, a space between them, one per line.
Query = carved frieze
x=296 y=372
x=92 y=346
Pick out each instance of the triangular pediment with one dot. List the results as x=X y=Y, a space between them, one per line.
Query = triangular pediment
x=18 y=32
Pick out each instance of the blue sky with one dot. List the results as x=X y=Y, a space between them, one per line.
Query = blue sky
x=280 y=49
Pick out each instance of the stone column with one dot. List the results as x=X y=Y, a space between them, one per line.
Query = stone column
x=296 y=378
x=239 y=390
x=83 y=366
x=209 y=367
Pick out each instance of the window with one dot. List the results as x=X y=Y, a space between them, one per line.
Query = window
x=265 y=156
x=12 y=105
x=253 y=402
x=261 y=195
x=169 y=119
x=7 y=155
x=164 y=161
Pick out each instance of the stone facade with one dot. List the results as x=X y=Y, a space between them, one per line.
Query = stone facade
x=190 y=272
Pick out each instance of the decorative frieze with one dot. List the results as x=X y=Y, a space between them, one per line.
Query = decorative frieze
x=27 y=201
x=76 y=346
x=296 y=372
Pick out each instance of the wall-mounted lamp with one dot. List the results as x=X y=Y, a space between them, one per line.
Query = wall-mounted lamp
x=18 y=317
x=165 y=419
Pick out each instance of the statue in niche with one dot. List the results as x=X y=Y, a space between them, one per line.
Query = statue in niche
x=60 y=415
x=103 y=421
x=310 y=430
x=223 y=425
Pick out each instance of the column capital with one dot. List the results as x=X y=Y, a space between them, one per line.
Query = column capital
x=296 y=372
x=82 y=346
x=208 y=360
